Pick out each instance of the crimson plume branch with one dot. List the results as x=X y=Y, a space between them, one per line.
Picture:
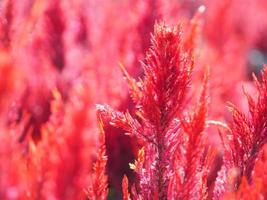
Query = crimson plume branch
x=98 y=188
x=246 y=139
x=159 y=99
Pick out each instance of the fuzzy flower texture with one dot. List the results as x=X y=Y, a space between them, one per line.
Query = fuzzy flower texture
x=192 y=124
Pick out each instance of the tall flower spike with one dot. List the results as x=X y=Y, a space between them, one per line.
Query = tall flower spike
x=98 y=190
x=194 y=28
x=246 y=139
x=193 y=160
x=159 y=96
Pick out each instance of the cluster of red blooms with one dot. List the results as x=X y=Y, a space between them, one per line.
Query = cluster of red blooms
x=192 y=126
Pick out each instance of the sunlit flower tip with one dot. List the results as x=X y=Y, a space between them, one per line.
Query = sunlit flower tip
x=202 y=9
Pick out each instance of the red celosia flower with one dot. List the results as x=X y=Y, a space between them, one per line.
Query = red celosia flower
x=193 y=160
x=172 y=146
x=98 y=188
x=246 y=138
x=64 y=141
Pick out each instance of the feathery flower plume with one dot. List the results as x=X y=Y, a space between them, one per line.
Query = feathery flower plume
x=98 y=189
x=193 y=159
x=244 y=142
x=159 y=100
